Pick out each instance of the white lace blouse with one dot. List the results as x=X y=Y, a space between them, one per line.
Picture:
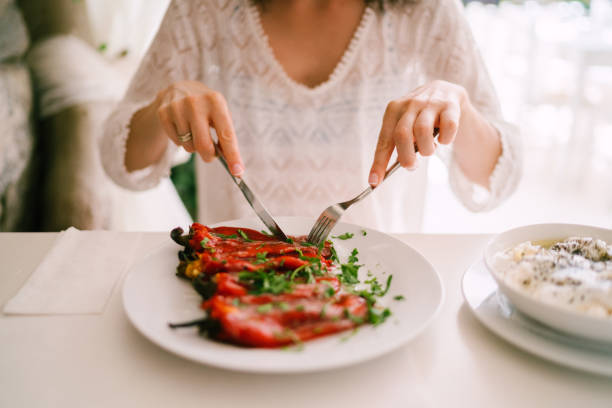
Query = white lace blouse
x=305 y=148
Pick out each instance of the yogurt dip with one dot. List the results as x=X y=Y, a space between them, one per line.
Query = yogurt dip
x=575 y=273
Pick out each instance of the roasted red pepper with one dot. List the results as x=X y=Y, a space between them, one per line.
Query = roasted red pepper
x=268 y=293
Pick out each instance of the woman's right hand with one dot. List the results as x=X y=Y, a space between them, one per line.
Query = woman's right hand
x=190 y=106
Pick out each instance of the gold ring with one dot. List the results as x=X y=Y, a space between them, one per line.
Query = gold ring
x=185 y=137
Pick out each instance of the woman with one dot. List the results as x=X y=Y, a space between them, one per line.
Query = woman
x=302 y=95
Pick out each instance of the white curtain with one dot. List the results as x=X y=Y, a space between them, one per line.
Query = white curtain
x=125 y=25
x=122 y=31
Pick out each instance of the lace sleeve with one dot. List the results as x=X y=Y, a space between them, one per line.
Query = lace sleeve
x=450 y=53
x=172 y=56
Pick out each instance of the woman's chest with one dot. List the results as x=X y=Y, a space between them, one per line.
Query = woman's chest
x=309 y=44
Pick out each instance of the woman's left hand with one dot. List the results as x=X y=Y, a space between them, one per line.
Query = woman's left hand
x=408 y=125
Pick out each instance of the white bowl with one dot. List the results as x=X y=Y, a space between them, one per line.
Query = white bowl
x=567 y=320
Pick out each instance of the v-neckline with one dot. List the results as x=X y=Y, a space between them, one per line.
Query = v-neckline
x=338 y=71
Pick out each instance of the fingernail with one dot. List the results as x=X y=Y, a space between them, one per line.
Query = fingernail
x=373 y=180
x=237 y=169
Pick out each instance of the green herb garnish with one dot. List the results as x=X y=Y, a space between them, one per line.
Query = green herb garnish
x=329 y=291
x=346 y=235
x=350 y=270
x=334 y=255
x=349 y=275
x=352 y=317
x=264 y=308
x=262 y=281
x=375 y=287
x=223 y=236
x=204 y=242
x=261 y=258
x=399 y=297
x=377 y=317
x=244 y=236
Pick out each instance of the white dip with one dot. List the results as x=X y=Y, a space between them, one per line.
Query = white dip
x=575 y=273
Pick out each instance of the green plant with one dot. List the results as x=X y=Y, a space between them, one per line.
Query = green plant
x=183 y=177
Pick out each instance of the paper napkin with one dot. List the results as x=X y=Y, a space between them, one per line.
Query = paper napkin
x=78 y=274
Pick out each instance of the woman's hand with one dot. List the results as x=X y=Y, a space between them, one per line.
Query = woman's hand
x=190 y=106
x=408 y=125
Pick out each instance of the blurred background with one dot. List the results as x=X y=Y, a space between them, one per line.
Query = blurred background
x=65 y=63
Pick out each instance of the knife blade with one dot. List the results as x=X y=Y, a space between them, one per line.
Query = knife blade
x=255 y=203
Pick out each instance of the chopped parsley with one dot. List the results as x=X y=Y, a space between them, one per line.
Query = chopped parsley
x=377 y=317
x=262 y=281
x=350 y=270
x=375 y=287
x=244 y=236
x=364 y=232
x=352 y=317
x=399 y=297
x=223 y=236
x=308 y=271
x=334 y=254
x=264 y=308
x=349 y=273
x=205 y=242
x=261 y=258
x=345 y=236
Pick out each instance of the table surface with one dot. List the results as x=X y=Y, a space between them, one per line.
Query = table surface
x=101 y=360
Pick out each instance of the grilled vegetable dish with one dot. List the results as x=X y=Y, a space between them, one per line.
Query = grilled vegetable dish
x=261 y=292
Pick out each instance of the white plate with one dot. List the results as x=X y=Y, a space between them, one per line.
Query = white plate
x=567 y=320
x=494 y=310
x=154 y=296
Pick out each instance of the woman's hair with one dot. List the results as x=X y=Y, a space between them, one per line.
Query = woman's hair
x=379 y=3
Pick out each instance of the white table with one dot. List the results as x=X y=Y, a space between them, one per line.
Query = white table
x=102 y=361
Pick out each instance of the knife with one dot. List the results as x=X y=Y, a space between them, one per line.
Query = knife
x=255 y=203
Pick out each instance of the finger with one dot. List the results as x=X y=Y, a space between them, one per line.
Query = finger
x=449 y=124
x=222 y=122
x=166 y=121
x=404 y=140
x=200 y=129
x=423 y=129
x=181 y=124
x=385 y=145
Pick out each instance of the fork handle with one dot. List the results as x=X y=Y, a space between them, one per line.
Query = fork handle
x=369 y=189
x=388 y=173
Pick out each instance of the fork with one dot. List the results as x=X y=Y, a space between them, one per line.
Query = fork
x=330 y=216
